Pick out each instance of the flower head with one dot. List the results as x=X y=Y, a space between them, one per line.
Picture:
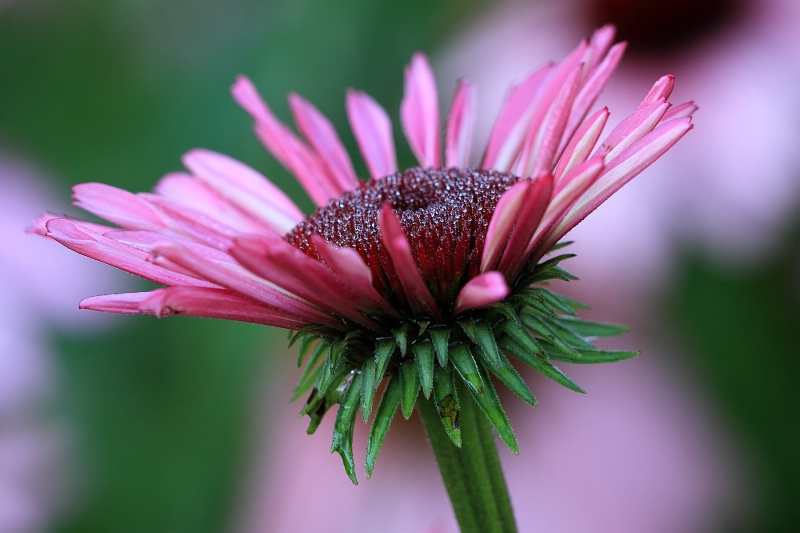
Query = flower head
x=420 y=278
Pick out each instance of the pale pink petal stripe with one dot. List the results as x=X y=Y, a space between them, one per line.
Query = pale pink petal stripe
x=192 y=301
x=502 y=222
x=286 y=146
x=86 y=242
x=118 y=206
x=481 y=291
x=581 y=144
x=349 y=265
x=685 y=109
x=237 y=278
x=411 y=280
x=510 y=127
x=373 y=131
x=419 y=112
x=537 y=198
x=280 y=263
x=324 y=139
x=661 y=90
x=633 y=128
x=245 y=188
x=598 y=46
x=460 y=126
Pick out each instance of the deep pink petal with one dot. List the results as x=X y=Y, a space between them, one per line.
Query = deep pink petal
x=661 y=90
x=324 y=139
x=373 y=131
x=280 y=263
x=245 y=188
x=419 y=112
x=582 y=143
x=460 y=125
x=481 y=291
x=502 y=223
x=408 y=272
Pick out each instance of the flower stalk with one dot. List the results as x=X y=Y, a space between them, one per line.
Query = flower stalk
x=472 y=473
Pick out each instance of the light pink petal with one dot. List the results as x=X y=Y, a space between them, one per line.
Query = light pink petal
x=349 y=265
x=661 y=90
x=118 y=206
x=481 y=291
x=511 y=125
x=633 y=128
x=286 y=146
x=685 y=109
x=280 y=263
x=245 y=188
x=373 y=131
x=419 y=112
x=234 y=277
x=460 y=126
x=502 y=222
x=537 y=198
x=194 y=224
x=582 y=143
x=324 y=139
x=86 y=242
x=408 y=272
x=598 y=45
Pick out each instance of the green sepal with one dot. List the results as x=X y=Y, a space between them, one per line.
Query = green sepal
x=330 y=375
x=423 y=356
x=311 y=371
x=532 y=302
x=336 y=353
x=384 y=348
x=543 y=329
x=401 y=337
x=409 y=383
x=555 y=301
x=468 y=325
x=467 y=368
x=523 y=337
x=490 y=405
x=488 y=344
x=591 y=357
x=447 y=406
x=423 y=325
x=439 y=338
x=369 y=383
x=343 y=427
x=306 y=341
x=511 y=379
x=588 y=329
x=568 y=336
x=544 y=367
x=305 y=331
x=504 y=309
x=322 y=399
x=383 y=418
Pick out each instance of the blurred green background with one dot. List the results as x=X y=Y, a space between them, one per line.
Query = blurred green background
x=115 y=91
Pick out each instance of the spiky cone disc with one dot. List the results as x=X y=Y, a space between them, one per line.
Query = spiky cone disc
x=421 y=361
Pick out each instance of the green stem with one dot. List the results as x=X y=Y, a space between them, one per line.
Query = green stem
x=472 y=474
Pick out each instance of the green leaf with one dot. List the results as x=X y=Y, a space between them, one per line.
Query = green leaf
x=511 y=378
x=409 y=382
x=542 y=366
x=368 y=386
x=585 y=328
x=401 y=336
x=383 y=418
x=467 y=368
x=311 y=371
x=343 y=427
x=488 y=344
x=384 y=348
x=490 y=405
x=591 y=357
x=439 y=337
x=447 y=406
x=423 y=355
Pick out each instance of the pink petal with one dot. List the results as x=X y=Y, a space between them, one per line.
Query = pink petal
x=460 y=126
x=286 y=147
x=481 y=291
x=245 y=188
x=280 y=263
x=118 y=206
x=86 y=242
x=512 y=121
x=661 y=90
x=373 y=131
x=581 y=143
x=396 y=242
x=600 y=42
x=349 y=265
x=502 y=222
x=633 y=128
x=419 y=112
x=324 y=139
x=685 y=109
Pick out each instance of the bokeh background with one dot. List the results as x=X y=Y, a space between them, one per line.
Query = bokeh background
x=134 y=424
